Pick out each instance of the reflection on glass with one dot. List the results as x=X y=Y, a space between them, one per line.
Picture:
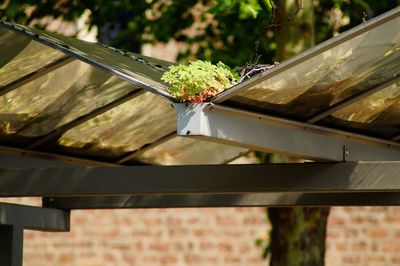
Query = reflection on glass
x=11 y=45
x=128 y=127
x=137 y=68
x=377 y=115
x=28 y=56
x=368 y=109
x=57 y=98
x=338 y=73
x=182 y=150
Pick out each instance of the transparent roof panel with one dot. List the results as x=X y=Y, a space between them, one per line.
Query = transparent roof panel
x=125 y=128
x=57 y=98
x=19 y=56
x=378 y=114
x=327 y=74
x=300 y=88
x=183 y=150
x=135 y=68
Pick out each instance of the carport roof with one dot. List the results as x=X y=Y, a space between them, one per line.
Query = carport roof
x=92 y=104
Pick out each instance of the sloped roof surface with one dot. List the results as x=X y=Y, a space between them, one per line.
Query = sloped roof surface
x=63 y=96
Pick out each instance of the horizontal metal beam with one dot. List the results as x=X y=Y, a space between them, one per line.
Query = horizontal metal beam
x=396 y=138
x=270 y=134
x=227 y=200
x=209 y=179
x=34 y=218
x=55 y=157
x=14 y=161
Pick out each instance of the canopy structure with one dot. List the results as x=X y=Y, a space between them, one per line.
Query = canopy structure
x=84 y=125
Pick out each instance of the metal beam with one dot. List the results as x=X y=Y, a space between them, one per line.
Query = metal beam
x=290 y=199
x=396 y=138
x=34 y=218
x=208 y=179
x=73 y=161
x=14 y=161
x=270 y=134
x=353 y=99
x=36 y=74
x=82 y=119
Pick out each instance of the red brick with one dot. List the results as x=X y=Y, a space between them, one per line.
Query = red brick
x=165 y=260
x=341 y=246
x=378 y=232
x=390 y=247
x=225 y=247
x=159 y=246
x=66 y=258
x=226 y=220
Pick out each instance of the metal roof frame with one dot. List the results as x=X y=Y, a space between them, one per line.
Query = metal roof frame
x=362 y=170
x=271 y=134
x=341 y=177
x=39 y=143
x=276 y=199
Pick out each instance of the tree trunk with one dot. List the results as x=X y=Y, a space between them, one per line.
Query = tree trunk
x=298 y=234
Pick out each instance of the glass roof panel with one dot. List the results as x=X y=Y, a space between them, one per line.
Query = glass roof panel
x=378 y=114
x=314 y=83
x=125 y=128
x=186 y=151
x=144 y=71
x=57 y=98
x=11 y=45
x=19 y=55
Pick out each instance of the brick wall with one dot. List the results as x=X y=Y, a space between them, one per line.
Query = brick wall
x=205 y=236
x=364 y=236
x=151 y=237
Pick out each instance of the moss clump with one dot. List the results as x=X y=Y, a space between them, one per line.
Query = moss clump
x=199 y=80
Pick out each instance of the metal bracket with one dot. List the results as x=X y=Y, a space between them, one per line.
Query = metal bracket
x=346 y=153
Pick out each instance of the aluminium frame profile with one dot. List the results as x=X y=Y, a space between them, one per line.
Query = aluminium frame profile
x=343 y=177
x=285 y=199
x=255 y=131
x=15 y=218
x=30 y=157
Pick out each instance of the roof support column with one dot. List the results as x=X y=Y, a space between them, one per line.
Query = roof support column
x=15 y=218
x=11 y=245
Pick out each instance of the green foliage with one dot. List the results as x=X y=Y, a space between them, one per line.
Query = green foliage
x=247 y=8
x=199 y=80
x=228 y=32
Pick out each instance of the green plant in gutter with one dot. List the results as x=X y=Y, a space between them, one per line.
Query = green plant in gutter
x=199 y=80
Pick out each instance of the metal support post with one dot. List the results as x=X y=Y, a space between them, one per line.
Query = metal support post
x=11 y=245
x=15 y=218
